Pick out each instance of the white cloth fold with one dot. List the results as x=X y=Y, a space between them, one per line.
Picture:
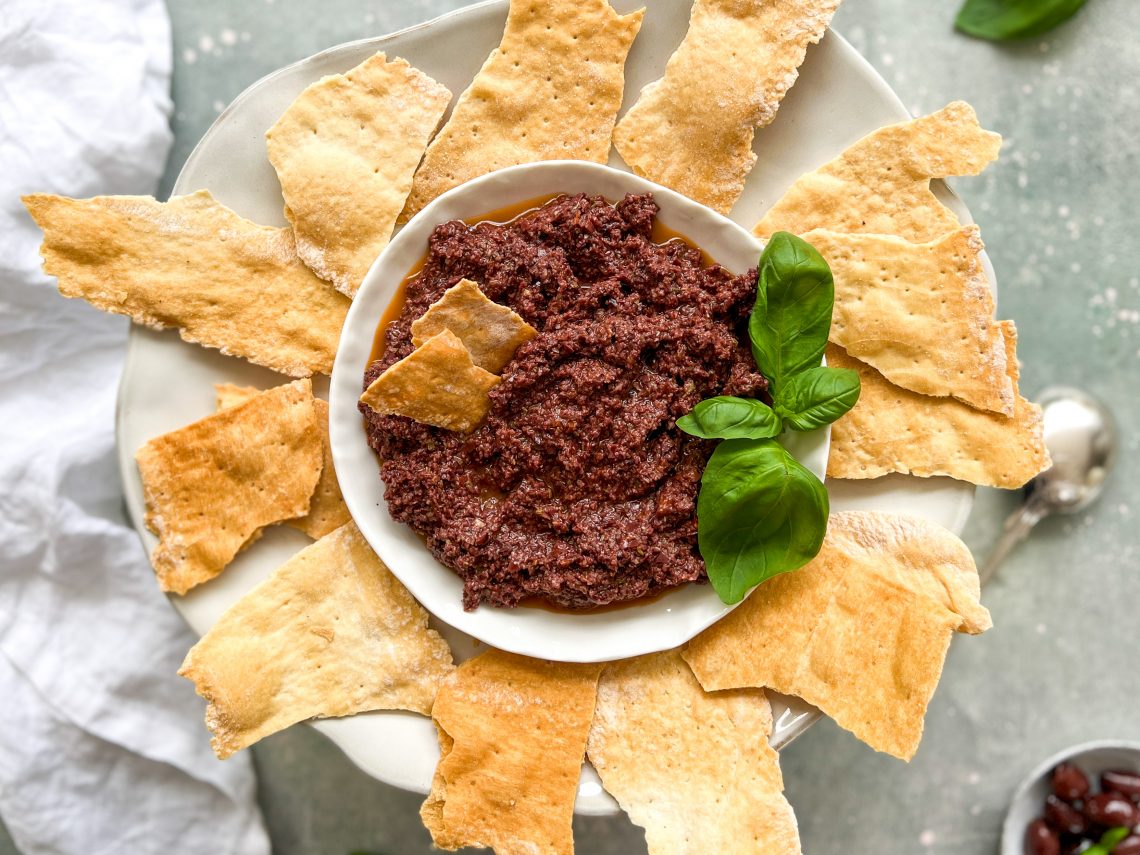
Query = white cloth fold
x=102 y=746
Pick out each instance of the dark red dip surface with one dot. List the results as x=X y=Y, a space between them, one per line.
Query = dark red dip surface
x=578 y=489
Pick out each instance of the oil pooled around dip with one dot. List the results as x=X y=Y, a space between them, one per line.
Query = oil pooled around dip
x=578 y=489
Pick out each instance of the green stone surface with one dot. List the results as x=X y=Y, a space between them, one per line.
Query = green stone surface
x=1058 y=216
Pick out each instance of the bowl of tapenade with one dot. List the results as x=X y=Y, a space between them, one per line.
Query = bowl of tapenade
x=542 y=498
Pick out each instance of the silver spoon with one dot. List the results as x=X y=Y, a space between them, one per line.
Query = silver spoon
x=1080 y=434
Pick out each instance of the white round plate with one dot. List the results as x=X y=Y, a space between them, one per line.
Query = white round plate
x=1029 y=800
x=661 y=623
x=167 y=384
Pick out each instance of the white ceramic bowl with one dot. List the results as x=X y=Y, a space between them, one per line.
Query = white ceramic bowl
x=647 y=627
x=1029 y=800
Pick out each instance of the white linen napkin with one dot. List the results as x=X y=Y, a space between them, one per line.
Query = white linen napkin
x=102 y=746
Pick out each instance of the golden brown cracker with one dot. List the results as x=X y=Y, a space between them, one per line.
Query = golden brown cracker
x=491 y=332
x=212 y=485
x=345 y=152
x=330 y=633
x=512 y=734
x=892 y=429
x=550 y=91
x=437 y=384
x=327 y=510
x=921 y=314
x=692 y=130
x=860 y=632
x=881 y=184
x=194 y=264
x=693 y=768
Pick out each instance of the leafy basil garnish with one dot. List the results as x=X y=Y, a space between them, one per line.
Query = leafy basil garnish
x=1108 y=841
x=759 y=513
x=792 y=315
x=725 y=417
x=817 y=397
x=1002 y=20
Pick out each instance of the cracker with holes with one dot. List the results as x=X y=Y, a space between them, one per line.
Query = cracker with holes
x=327 y=510
x=693 y=768
x=692 y=130
x=550 y=91
x=211 y=486
x=436 y=384
x=881 y=184
x=892 y=429
x=512 y=735
x=491 y=332
x=345 y=152
x=921 y=314
x=861 y=631
x=194 y=265
x=330 y=633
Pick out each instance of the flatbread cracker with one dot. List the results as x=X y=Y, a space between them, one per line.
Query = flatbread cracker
x=330 y=633
x=860 y=632
x=194 y=264
x=490 y=331
x=345 y=152
x=692 y=130
x=212 y=485
x=921 y=314
x=550 y=91
x=327 y=510
x=437 y=384
x=894 y=430
x=693 y=768
x=881 y=184
x=512 y=733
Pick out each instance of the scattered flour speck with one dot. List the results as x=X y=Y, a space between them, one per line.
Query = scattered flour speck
x=1063 y=211
x=189 y=56
x=206 y=44
x=927 y=838
x=228 y=37
x=219 y=106
x=1042 y=629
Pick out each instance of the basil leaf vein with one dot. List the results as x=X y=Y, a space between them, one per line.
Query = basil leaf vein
x=726 y=417
x=1002 y=20
x=791 y=319
x=817 y=397
x=760 y=513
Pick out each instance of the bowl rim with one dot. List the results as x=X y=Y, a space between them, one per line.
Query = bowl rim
x=642 y=627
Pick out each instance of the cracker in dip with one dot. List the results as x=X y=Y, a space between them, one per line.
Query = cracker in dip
x=345 y=152
x=490 y=332
x=881 y=184
x=512 y=736
x=330 y=633
x=193 y=264
x=211 y=486
x=693 y=768
x=860 y=632
x=921 y=314
x=436 y=384
x=550 y=91
x=692 y=130
x=327 y=510
x=892 y=429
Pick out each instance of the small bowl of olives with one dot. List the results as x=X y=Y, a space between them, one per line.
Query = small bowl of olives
x=1084 y=799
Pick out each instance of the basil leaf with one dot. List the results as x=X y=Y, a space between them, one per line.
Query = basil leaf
x=1000 y=20
x=759 y=513
x=725 y=417
x=792 y=316
x=1108 y=841
x=817 y=397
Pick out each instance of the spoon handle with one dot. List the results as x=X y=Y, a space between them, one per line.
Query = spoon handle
x=1017 y=528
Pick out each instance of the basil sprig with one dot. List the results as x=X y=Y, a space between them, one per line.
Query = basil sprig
x=1108 y=841
x=1002 y=20
x=759 y=511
